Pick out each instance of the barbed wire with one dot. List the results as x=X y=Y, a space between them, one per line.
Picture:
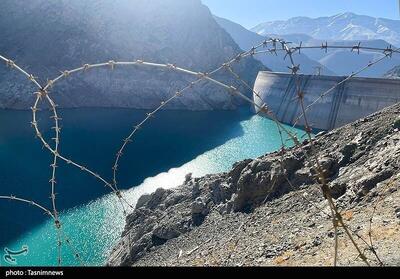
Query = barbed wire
x=29 y=202
x=336 y=215
x=278 y=45
x=55 y=216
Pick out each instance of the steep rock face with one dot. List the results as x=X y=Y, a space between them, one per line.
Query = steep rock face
x=47 y=37
x=273 y=206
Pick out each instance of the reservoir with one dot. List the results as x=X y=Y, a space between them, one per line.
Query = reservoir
x=172 y=145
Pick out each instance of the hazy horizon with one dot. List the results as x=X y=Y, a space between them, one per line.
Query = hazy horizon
x=259 y=11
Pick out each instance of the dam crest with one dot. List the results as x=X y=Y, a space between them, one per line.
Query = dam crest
x=351 y=100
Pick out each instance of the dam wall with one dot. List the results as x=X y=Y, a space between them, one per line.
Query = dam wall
x=350 y=101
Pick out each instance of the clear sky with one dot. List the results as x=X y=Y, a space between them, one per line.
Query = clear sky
x=252 y=12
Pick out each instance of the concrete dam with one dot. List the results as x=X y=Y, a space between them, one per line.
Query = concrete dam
x=350 y=101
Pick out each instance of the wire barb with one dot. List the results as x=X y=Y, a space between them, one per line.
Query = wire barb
x=271 y=46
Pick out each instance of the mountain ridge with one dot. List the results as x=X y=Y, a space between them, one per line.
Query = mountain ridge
x=93 y=31
x=247 y=39
x=342 y=61
x=346 y=26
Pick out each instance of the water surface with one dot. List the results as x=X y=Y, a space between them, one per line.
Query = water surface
x=173 y=144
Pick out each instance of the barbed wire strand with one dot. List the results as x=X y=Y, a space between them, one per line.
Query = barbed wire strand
x=43 y=92
x=29 y=202
x=354 y=74
x=57 y=223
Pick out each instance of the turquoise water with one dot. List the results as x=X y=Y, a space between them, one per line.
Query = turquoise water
x=176 y=144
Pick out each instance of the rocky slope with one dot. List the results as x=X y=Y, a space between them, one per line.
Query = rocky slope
x=47 y=37
x=252 y=215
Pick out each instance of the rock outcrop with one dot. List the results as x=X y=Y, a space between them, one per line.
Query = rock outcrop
x=47 y=37
x=271 y=211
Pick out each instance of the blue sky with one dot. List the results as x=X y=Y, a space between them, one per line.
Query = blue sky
x=252 y=12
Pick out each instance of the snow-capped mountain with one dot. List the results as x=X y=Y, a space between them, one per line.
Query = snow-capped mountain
x=342 y=61
x=335 y=62
x=247 y=39
x=346 y=26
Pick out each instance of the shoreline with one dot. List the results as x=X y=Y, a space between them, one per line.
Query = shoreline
x=190 y=224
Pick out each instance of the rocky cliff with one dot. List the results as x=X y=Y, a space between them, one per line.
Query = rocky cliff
x=254 y=215
x=47 y=37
